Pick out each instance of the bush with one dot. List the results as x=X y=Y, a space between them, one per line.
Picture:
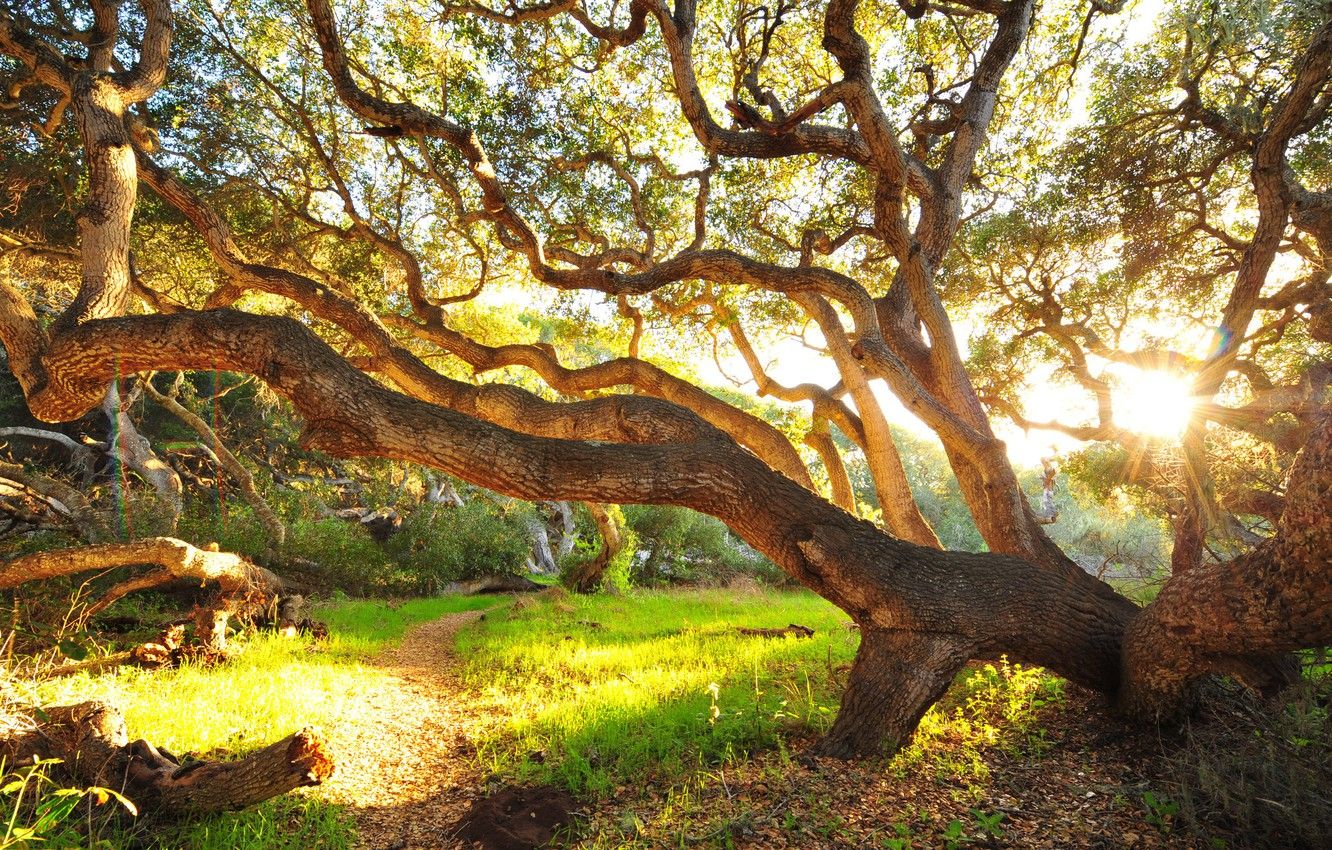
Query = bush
x=238 y=530
x=350 y=558
x=1258 y=776
x=677 y=545
x=437 y=545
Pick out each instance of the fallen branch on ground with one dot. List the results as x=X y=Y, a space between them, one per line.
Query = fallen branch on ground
x=90 y=738
x=793 y=629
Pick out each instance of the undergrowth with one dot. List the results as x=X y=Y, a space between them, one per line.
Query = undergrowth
x=1256 y=773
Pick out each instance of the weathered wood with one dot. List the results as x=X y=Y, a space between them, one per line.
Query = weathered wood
x=92 y=741
x=794 y=629
x=500 y=583
x=242 y=585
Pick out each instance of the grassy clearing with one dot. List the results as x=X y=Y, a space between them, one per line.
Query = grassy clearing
x=659 y=687
x=273 y=687
x=604 y=689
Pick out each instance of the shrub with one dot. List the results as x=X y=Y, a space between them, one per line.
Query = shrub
x=1258 y=776
x=437 y=545
x=350 y=558
x=679 y=545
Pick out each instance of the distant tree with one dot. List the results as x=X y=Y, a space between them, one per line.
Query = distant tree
x=326 y=193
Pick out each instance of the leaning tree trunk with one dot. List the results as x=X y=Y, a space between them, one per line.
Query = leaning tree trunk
x=1236 y=617
x=586 y=577
x=895 y=679
x=91 y=740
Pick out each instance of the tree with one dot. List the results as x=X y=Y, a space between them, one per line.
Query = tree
x=372 y=174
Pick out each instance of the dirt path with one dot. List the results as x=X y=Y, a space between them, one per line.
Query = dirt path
x=408 y=773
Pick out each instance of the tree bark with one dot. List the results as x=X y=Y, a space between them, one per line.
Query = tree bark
x=1236 y=617
x=132 y=449
x=896 y=677
x=586 y=577
x=91 y=740
x=241 y=583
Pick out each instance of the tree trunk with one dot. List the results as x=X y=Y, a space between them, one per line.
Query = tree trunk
x=132 y=449
x=91 y=740
x=543 y=561
x=1238 y=617
x=586 y=577
x=895 y=679
x=989 y=603
x=277 y=532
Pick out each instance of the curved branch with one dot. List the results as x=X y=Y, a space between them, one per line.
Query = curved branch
x=148 y=74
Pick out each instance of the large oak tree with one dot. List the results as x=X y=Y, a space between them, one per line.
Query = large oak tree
x=315 y=195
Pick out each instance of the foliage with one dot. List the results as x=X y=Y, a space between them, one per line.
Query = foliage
x=36 y=810
x=1256 y=775
x=438 y=545
x=683 y=546
x=347 y=555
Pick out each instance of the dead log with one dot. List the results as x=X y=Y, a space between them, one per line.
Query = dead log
x=90 y=738
x=793 y=629
x=242 y=585
x=503 y=583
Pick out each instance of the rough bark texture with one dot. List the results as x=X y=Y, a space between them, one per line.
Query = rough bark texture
x=241 y=584
x=922 y=612
x=896 y=677
x=586 y=577
x=91 y=740
x=1231 y=617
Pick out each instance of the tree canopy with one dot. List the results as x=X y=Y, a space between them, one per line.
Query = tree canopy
x=966 y=202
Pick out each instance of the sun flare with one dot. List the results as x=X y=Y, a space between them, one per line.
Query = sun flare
x=1152 y=402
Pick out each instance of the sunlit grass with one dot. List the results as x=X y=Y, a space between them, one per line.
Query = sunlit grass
x=601 y=692
x=607 y=689
x=274 y=685
x=271 y=688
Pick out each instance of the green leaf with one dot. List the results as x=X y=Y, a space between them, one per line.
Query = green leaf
x=72 y=650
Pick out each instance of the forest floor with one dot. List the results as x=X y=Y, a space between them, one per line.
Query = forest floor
x=1013 y=758
x=652 y=720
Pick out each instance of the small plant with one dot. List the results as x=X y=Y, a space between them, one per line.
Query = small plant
x=988 y=823
x=953 y=835
x=31 y=795
x=902 y=840
x=1161 y=811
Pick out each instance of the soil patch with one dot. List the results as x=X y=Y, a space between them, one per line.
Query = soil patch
x=517 y=818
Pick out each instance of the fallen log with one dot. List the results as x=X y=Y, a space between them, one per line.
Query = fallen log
x=243 y=586
x=793 y=629
x=505 y=583
x=90 y=738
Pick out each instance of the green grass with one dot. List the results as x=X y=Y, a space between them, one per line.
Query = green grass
x=273 y=687
x=633 y=698
x=654 y=689
x=659 y=687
